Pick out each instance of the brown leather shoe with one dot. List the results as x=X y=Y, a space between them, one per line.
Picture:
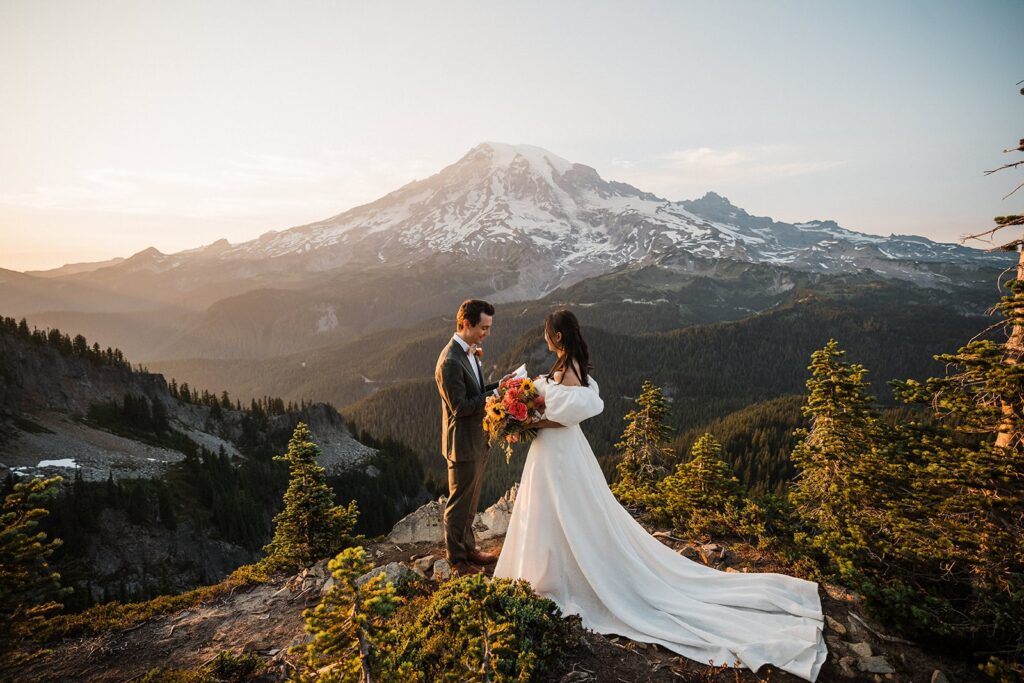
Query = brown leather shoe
x=465 y=569
x=482 y=557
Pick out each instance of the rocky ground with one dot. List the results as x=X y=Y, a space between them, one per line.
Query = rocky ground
x=267 y=619
x=73 y=445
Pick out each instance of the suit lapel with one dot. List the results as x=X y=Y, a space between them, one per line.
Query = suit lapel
x=463 y=358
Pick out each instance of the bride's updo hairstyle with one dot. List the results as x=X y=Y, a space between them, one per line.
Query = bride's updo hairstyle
x=565 y=322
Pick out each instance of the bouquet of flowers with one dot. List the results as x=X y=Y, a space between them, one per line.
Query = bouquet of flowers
x=510 y=413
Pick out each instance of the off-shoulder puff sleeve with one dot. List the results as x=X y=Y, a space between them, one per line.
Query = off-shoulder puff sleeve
x=571 y=405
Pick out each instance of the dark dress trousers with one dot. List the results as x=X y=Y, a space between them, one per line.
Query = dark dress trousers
x=463 y=443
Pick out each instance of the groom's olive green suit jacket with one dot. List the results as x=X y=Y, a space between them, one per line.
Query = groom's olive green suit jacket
x=462 y=405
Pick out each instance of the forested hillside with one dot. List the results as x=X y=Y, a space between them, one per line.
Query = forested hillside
x=166 y=486
x=709 y=372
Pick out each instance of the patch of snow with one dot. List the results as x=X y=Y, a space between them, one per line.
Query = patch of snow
x=64 y=462
x=328 y=318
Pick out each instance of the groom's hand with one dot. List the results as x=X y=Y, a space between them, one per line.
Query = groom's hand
x=494 y=392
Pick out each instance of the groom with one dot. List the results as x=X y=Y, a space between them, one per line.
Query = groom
x=460 y=381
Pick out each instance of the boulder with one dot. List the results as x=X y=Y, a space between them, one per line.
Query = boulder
x=393 y=572
x=834 y=644
x=426 y=524
x=494 y=520
x=835 y=625
x=846 y=667
x=876 y=664
x=689 y=552
x=712 y=553
x=421 y=525
x=422 y=565
x=442 y=570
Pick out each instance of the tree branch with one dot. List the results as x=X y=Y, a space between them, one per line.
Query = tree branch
x=980 y=235
x=1015 y=189
x=1016 y=163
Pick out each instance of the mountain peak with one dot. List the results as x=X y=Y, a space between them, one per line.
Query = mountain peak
x=503 y=155
x=715 y=199
x=148 y=253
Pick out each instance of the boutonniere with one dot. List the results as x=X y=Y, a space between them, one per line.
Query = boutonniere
x=477 y=351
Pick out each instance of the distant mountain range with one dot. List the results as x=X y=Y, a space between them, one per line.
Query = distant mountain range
x=510 y=223
x=560 y=222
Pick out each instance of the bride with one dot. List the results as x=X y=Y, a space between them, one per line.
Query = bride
x=572 y=540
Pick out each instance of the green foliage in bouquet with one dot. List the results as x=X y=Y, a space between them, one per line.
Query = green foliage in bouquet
x=29 y=589
x=644 y=448
x=310 y=527
x=475 y=629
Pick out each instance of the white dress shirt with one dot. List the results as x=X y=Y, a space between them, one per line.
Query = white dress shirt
x=475 y=362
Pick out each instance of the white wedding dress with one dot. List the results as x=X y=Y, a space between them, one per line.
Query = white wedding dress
x=572 y=540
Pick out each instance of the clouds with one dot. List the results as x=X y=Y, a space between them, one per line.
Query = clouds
x=258 y=185
x=677 y=174
x=99 y=212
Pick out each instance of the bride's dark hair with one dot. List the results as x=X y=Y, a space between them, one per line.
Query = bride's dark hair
x=576 y=353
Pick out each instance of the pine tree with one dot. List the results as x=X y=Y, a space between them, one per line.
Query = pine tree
x=478 y=630
x=350 y=625
x=851 y=470
x=29 y=589
x=969 y=490
x=644 y=447
x=489 y=638
x=702 y=496
x=310 y=526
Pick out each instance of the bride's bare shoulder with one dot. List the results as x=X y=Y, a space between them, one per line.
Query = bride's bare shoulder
x=571 y=377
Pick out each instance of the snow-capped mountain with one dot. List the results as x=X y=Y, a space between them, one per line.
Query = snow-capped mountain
x=523 y=204
x=533 y=219
x=508 y=223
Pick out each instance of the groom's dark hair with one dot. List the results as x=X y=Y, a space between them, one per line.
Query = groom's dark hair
x=470 y=312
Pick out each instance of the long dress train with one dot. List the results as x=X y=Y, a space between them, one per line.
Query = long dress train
x=572 y=540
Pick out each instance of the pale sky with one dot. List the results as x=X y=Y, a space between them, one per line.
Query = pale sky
x=125 y=125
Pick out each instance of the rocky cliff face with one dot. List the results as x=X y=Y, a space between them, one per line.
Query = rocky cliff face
x=125 y=559
x=44 y=394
